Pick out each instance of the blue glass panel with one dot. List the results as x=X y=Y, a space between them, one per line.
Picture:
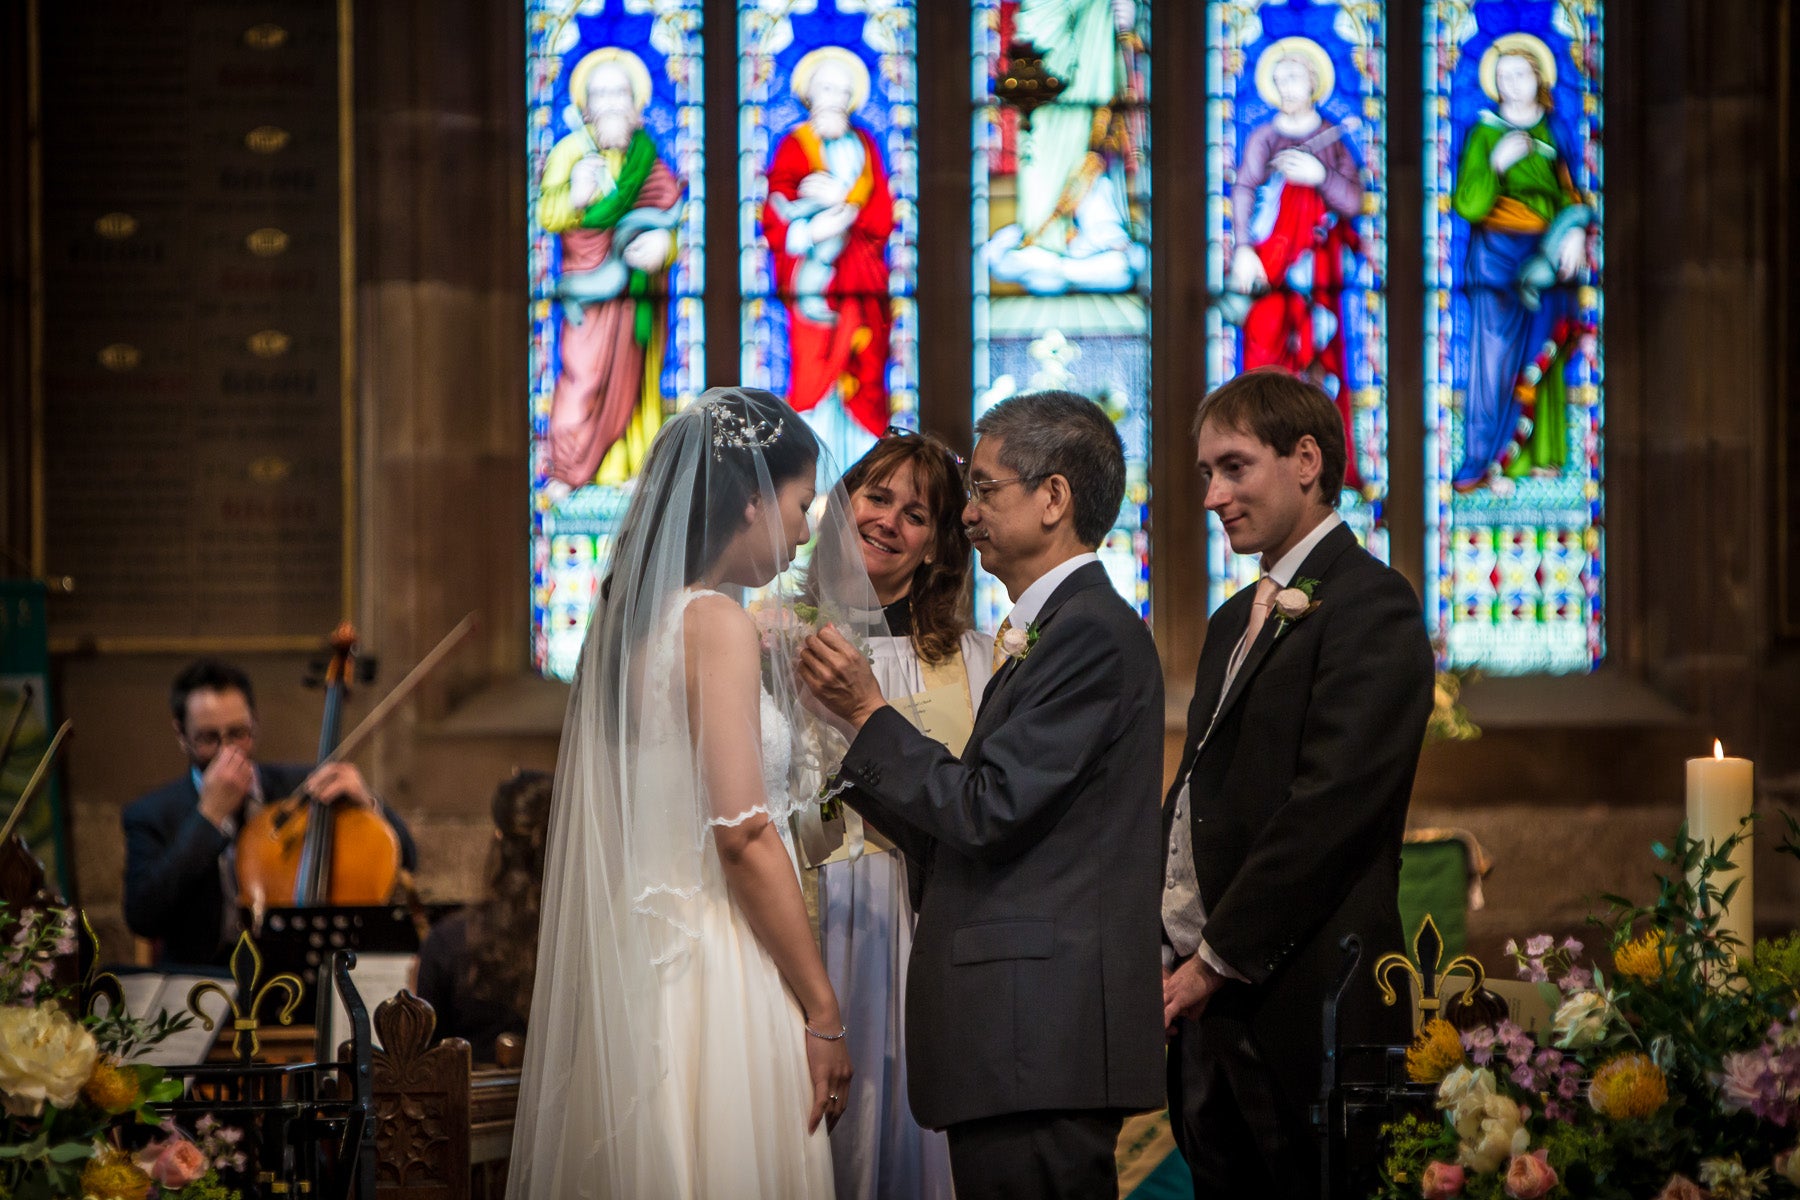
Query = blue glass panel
x=1513 y=361
x=615 y=197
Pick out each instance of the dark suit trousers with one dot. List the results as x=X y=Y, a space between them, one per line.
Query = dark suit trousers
x=1237 y=1135
x=1067 y=1154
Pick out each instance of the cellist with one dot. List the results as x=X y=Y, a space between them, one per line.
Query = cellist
x=180 y=839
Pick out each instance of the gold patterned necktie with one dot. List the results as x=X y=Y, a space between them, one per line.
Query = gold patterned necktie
x=999 y=651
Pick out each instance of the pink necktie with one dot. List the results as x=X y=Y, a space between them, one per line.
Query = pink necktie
x=1266 y=587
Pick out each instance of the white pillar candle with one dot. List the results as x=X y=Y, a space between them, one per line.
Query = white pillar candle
x=1719 y=795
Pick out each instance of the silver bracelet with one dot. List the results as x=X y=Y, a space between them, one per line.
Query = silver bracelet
x=828 y=1037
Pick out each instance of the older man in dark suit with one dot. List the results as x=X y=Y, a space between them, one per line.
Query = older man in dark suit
x=1031 y=998
x=180 y=869
x=1285 y=821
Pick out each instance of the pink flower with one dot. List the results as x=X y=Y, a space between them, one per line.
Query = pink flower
x=1680 y=1187
x=1537 y=947
x=1529 y=1176
x=1443 y=1181
x=174 y=1163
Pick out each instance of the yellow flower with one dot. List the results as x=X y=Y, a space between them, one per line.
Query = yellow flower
x=1643 y=959
x=1627 y=1087
x=1435 y=1052
x=111 y=1087
x=113 y=1176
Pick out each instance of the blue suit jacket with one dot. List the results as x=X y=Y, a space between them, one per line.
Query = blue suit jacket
x=173 y=894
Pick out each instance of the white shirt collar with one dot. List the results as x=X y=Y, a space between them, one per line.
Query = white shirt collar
x=1027 y=607
x=1283 y=571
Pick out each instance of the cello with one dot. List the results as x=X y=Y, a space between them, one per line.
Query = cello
x=301 y=852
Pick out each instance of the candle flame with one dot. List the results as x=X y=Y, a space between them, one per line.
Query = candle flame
x=1718 y=749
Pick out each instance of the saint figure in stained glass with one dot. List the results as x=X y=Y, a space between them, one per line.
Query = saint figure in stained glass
x=827 y=219
x=1297 y=191
x=1074 y=229
x=1528 y=233
x=615 y=204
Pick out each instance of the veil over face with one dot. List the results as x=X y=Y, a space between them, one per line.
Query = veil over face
x=725 y=504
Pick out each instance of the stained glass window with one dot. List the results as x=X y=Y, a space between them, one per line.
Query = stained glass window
x=1513 y=370
x=828 y=171
x=1062 y=234
x=1296 y=136
x=614 y=196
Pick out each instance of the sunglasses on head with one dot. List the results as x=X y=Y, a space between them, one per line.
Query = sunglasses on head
x=901 y=431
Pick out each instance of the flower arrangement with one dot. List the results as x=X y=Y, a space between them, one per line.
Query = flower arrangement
x=1675 y=1075
x=71 y=1097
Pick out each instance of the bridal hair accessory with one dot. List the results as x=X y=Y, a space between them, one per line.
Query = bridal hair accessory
x=733 y=430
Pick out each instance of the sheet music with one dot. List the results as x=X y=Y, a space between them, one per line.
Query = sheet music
x=149 y=993
x=377 y=978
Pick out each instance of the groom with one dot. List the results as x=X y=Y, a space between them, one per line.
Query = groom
x=1031 y=999
x=1285 y=821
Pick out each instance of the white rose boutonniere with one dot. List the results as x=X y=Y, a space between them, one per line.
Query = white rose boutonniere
x=1295 y=601
x=1017 y=643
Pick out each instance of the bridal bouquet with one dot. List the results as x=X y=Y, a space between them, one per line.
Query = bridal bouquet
x=1671 y=1072
x=71 y=1099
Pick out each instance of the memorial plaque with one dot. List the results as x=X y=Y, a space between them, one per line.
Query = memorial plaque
x=193 y=307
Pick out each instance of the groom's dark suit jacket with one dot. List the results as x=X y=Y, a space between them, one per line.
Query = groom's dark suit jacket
x=1299 y=795
x=1034 y=981
x=173 y=891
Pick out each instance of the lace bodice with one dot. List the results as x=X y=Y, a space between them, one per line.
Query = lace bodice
x=777 y=756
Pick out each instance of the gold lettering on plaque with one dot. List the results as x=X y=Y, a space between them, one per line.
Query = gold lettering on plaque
x=270 y=343
x=267 y=243
x=116 y=226
x=270 y=469
x=120 y=356
x=266 y=36
x=267 y=139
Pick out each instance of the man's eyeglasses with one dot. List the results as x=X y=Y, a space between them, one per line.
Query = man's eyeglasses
x=212 y=739
x=982 y=490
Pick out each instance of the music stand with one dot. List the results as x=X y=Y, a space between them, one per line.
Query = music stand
x=301 y=940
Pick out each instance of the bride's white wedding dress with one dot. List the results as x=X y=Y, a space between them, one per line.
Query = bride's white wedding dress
x=666 y=1057
x=736 y=1095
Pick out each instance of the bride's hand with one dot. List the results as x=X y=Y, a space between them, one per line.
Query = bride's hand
x=829 y=1065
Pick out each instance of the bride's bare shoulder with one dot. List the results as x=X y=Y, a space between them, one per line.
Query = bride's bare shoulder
x=717 y=625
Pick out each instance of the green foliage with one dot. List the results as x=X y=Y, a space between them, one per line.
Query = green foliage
x=1698 y=1017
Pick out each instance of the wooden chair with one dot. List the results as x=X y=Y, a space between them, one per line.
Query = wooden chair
x=443 y=1131
x=421 y=1105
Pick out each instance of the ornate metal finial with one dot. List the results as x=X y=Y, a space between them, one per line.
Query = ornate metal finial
x=246 y=972
x=733 y=430
x=1025 y=83
x=1428 y=952
x=95 y=983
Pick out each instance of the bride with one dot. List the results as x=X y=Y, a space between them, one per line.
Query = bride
x=685 y=1040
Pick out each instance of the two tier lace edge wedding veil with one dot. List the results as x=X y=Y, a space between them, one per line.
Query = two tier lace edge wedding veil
x=630 y=839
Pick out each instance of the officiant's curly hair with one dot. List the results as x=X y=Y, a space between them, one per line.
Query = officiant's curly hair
x=939 y=598
x=1278 y=408
x=503 y=924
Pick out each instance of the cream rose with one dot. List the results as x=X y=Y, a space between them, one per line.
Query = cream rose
x=1491 y=1134
x=43 y=1056
x=1465 y=1083
x=1014 y=642
x=1582 y=1020
x=1292 y=602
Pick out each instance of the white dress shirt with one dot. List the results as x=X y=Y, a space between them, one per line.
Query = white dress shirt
x=1184 y=912
x=1031 y=602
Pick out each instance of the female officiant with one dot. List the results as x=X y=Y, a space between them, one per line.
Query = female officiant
x=906 y=499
